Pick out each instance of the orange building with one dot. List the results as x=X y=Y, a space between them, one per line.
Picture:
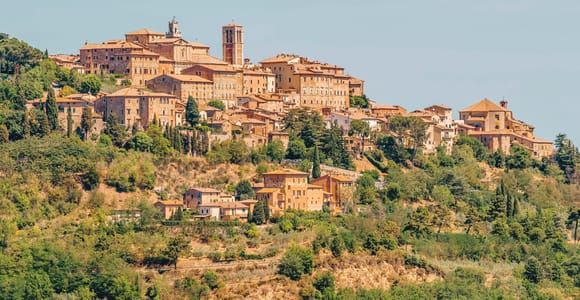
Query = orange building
x=136 y=106
x=227 y=81
x=496 y=127
x=318 y=84
x=340 y=187
x=183 y=86
x=289 y=189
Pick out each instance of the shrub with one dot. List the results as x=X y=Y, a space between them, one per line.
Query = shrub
x=296 y=262
x=212 y=280
x=324 y=281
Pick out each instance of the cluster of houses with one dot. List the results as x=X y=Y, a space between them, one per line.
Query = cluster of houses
x=164 y=70
x=284 y=189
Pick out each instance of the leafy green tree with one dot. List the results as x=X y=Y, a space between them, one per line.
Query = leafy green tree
x=479 y=150
x=191 y=112
x=296 y=149
x=497 y=159
x=392 y=149
x=365 y=189
x=51 y=110
x=38 y=286
x=519 y=158
x=260 y=215
x=533 y=270
x=140 y=142
x=275 y=151
x=175 y=248
x=324 y=281
x=337 y=246
x=333 y=147
x=297 y=261
x=305 y=124
x=316 y=163
x=115 y=131
x=212 y=280
x=361 y=129
x=419 y=223
x=412 y=132
x=442 y=194
x=359 y=101
x=393 y=191
x=244 y=190
x=17 y=56
x=90 y=84
x=567 y=157
x=217 y=104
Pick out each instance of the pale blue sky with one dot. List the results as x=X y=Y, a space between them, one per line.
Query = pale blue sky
x=413 y=53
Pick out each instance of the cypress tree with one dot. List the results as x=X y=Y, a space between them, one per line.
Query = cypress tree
x=4 y=134
x=191 y=112
x=86 y=122
x=508 y=205
x=51 y=110
x=516 y=208
x=316 y=163
x=44 y=126
x=498 y=204
x=25 y=124
x=69 y=123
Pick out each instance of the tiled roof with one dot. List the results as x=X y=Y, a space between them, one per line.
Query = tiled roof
x=286 y=172
x=484 y=105
x=144 y=31
x=111 y=45
x=188 y=78
x=134 y=92
x=170 y=202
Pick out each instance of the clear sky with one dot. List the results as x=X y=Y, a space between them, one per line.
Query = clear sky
x=412 y=53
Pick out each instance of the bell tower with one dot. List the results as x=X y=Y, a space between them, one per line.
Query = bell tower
x=173 y=29
x=233 y=44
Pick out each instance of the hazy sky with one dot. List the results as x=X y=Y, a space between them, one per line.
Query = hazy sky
x=411 y=53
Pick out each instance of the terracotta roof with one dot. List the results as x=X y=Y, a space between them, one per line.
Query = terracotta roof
x=484 y=105
x=170 y=202
x=280 y=58
x=144 y=31
x=267 y=190
x=134 y=92
x=215 y=68
x=286 y=172
x=115 y=44
x=187 y=78
x=204 y=190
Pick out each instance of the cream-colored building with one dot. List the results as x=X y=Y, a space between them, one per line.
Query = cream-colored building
x=137 y=106
x=258 y=81
x=227 y=81
x=289 y=189
x=318 y=84
x=495 y=126
x=183 y=86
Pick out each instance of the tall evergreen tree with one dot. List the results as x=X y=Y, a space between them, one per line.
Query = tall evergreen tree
x=4 y=134
x=69 y=122
x=498 y=203
x=316 y=163
x=115 y=131
x=191 y=112
x=516 y=207
x=508 y=204
x=25 y=124
x=51 y=110
x=86 y=122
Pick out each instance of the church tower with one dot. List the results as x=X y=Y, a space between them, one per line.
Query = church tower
x=173 y=29
x=233 y=44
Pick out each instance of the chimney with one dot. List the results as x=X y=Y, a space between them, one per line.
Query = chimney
x=503 y=103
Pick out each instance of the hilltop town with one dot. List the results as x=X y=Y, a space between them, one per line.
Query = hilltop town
x=160 y=72
x=148 y=168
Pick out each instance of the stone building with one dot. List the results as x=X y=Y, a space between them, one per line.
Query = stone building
x=233 y=44
x=227 y=81
x=183 y=86
x=318 y=84
x=340 y=187
x=289 y=189
x=495 y=126
x=137 y=106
